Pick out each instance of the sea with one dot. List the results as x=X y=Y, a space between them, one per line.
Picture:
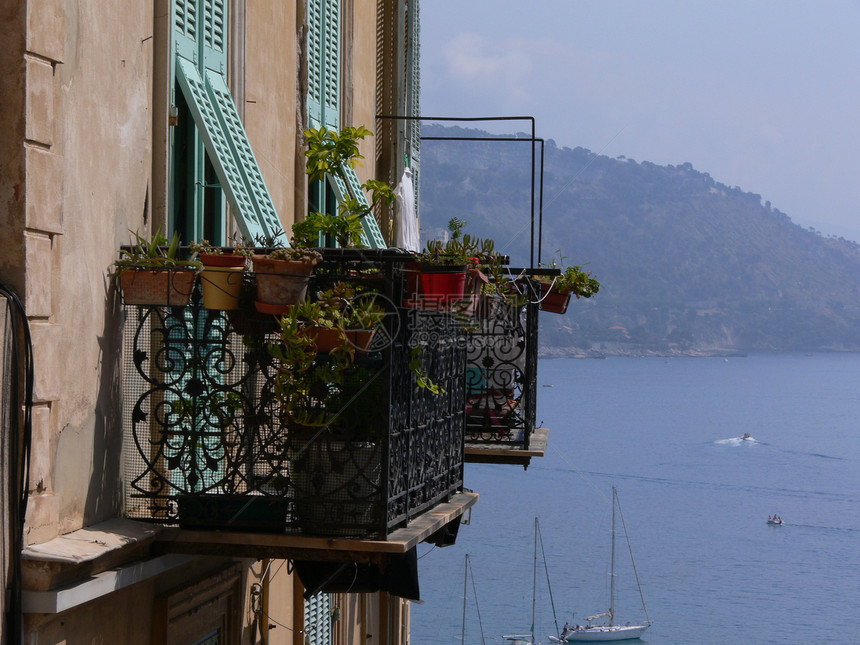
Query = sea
x=695 y=497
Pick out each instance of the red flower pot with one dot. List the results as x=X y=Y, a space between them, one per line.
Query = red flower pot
x=443 y=283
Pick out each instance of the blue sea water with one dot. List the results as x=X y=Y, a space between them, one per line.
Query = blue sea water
x=695 y=501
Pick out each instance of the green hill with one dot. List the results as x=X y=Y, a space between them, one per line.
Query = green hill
x=688 y=265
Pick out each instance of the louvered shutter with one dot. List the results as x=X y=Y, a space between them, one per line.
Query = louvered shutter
x=331 y=64
x=315 y=55
x=318 y=619
x=201 y=68
x=372 y=235
x=324 y=63
x=214 y=40
x=324 y=27
x=413 y=94
x=185 y=29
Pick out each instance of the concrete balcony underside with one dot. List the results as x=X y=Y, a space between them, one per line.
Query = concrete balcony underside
x=83 y=565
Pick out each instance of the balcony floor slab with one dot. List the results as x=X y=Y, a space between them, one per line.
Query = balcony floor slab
x=490 y=453
x=299 y=547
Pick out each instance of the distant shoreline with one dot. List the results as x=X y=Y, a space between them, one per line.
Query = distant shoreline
x=637 y=352
x=645 y=352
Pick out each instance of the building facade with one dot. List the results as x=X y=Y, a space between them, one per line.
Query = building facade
x=121 y=117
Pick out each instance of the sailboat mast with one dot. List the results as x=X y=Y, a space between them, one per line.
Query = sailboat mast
x=534 y=582
x=465 y=588
x=612 y=565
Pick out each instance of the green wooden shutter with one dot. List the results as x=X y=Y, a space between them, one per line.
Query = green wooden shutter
x=413 y=94
x=185 y=29
x=324 y=63
x=262 y=218
x=201 y=68
x=372 y=235
x=214 y=37
x=318 y=619
x=315 y=82
x=331 y=64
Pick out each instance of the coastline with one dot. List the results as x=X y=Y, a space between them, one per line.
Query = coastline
x=631 y=351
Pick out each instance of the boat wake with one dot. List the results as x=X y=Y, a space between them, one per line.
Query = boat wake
x=745 y=440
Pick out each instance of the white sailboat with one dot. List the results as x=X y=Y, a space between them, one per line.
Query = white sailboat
x=608 y=631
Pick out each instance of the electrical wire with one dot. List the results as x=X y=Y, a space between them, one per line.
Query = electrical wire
x=19 y=450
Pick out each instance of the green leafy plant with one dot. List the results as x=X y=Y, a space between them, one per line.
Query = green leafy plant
x=573 y=279
x=204 y=247
x=296 y=254
x=312 y=388
x=460 y=248
x=417 y=368
x=275 y=240
x=456 y=226
x=154 y=253
x=344 y=228
x=331 y=152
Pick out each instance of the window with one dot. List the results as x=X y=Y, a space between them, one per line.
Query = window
x=324 y=63
x=213 y=163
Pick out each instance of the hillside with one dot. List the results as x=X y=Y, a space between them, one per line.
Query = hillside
x=688 y=265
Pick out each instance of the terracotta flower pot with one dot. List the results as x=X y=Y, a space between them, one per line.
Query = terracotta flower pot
x=165 y=287
x=281 y=282
x=553 y=301
x=327 y=340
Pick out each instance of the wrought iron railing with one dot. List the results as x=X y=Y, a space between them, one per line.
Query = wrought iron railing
x=501 y=372
x=209 y=445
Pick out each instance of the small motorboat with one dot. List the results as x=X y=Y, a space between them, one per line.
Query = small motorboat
x=747 y=437
x=776 y=520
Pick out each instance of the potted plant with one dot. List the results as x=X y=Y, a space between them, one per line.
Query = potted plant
x=334 y=450
x=151 y=273
x=443 y=265
x=221 y=277
x=446 y=268
x=282 y=277
x=305 y=382
x=556 y=290
x=340 y=319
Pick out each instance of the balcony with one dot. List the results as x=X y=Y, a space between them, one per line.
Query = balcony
x=501 y=381
x=210 y=444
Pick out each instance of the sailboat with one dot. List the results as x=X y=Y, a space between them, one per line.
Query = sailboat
x=528 y=639
x=467 y=568
x=609 y=631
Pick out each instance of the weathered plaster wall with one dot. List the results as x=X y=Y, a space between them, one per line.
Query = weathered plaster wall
x=12 y=102
x=88 y=159
x=271 y=81
x=363 y=88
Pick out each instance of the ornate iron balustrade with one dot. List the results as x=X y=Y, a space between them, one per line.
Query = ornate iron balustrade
x=501 y=372
x=208 y=443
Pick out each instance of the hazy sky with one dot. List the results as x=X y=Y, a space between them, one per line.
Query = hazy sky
x=764 y=95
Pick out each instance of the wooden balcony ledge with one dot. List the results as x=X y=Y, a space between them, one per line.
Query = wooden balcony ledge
x=94 y=561
x=301 y=547
x=490 y=453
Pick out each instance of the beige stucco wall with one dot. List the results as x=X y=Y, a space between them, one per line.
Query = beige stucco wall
x=271 y=97
x=363 y=94
x=91 y=186
x=12 y=110
x=75 y=166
